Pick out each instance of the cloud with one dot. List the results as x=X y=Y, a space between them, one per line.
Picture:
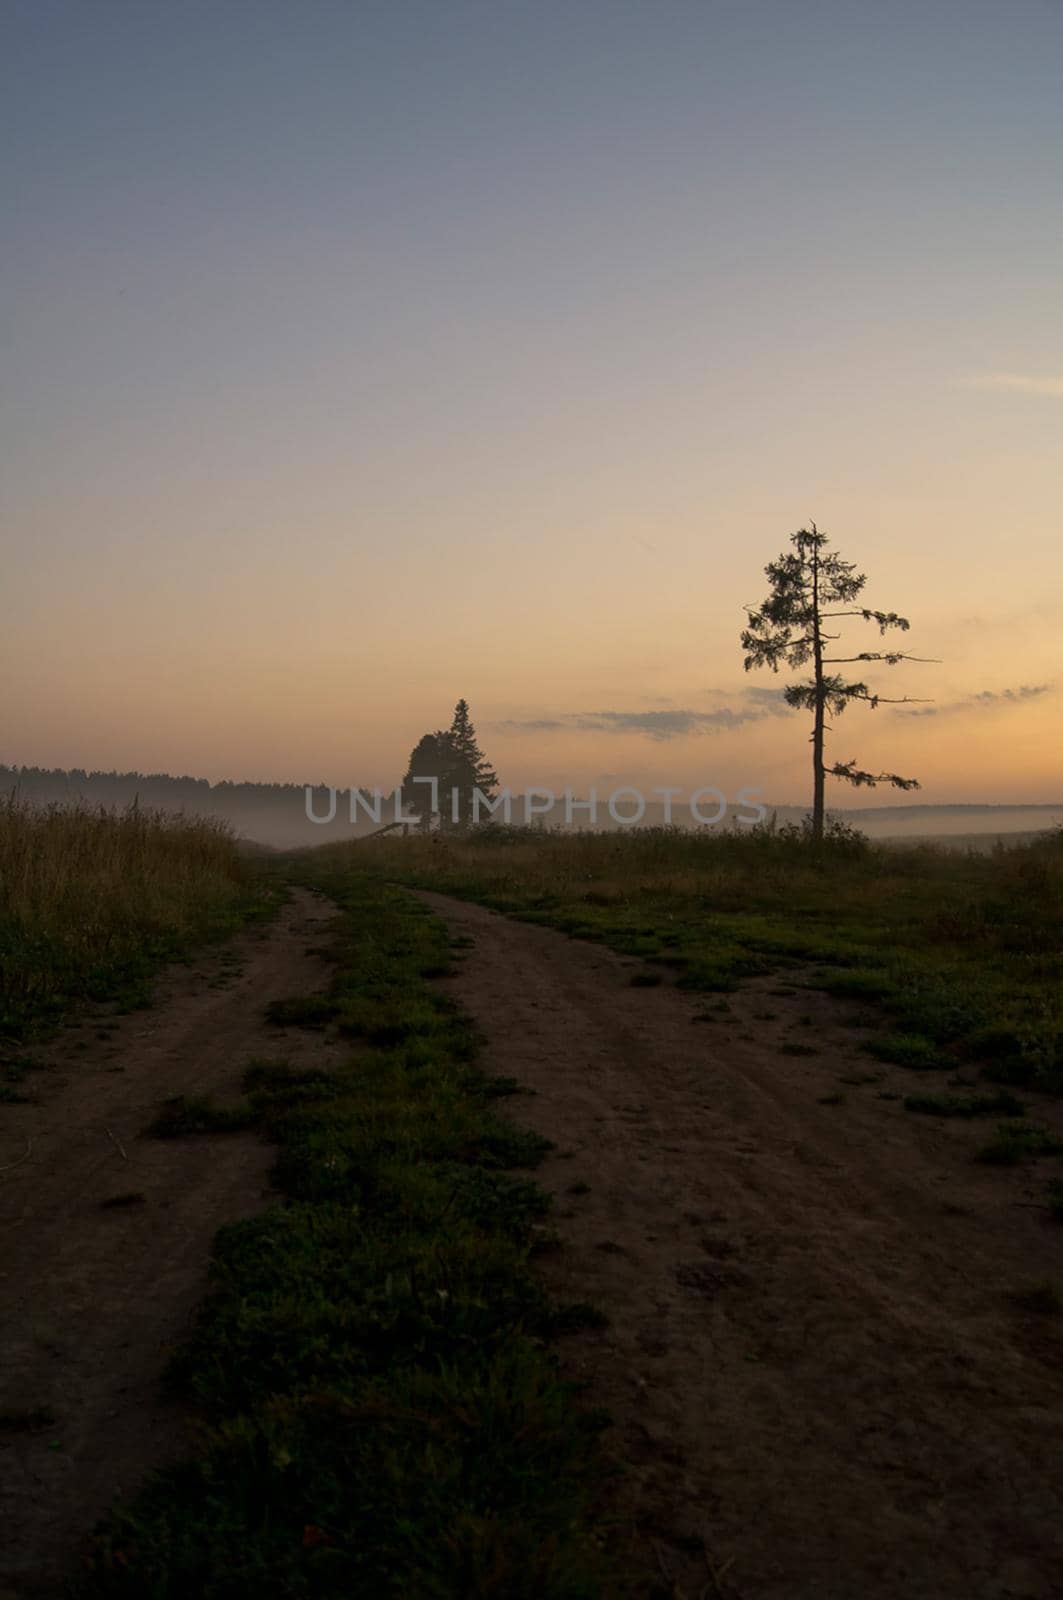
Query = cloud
x=756 y=705
x=671 y=724
x=1017 y=383
x=536 y=725
x=663 y=724
x=984 y=700
x=769 y=702
x=1028 y=691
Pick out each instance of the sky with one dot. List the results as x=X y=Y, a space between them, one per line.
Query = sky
x=362 y=356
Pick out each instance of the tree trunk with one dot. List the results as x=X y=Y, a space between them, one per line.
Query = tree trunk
x=818 y=778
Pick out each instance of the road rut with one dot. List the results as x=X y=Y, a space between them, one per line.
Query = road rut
x=93 y=1297
x=820 y=1385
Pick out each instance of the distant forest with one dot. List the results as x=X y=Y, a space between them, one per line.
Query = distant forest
x=270 y=813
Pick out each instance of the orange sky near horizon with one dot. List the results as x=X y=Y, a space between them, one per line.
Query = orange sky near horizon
x=396 y=356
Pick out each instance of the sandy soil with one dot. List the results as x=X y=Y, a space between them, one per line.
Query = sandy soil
x=93 y=1298
x=820 y=1385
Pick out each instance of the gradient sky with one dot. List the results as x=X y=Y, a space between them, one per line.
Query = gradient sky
x=360 y=356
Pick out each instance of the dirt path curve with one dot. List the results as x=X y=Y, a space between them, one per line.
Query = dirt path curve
x=816 y=1372
x=93 y=1297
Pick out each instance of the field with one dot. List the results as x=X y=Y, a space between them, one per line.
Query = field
x=92 y=900
x=551 y=1293
x=963 y=952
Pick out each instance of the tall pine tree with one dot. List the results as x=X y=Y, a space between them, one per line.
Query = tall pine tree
x=469 y=769
x=789 y=629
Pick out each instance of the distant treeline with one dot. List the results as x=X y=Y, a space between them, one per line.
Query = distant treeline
x=272 y=813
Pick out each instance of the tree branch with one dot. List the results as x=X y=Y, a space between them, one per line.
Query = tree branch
x=868 y=780
x=890 y=657
x=874 y=700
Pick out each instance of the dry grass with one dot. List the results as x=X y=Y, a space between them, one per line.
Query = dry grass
x=90 y=899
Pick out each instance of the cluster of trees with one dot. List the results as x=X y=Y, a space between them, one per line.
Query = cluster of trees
x=446 y=771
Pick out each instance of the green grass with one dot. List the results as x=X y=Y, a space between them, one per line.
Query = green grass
x=91 y=902
x=1015 y=1142
x=961 y=954
x=908 y=1050
x=184 y=1116
x=302 y=1011
x=1042 y=1298
x=1002 y=1104
x=382 y=1408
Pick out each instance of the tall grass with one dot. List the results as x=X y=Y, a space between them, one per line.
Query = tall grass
x=90 y=899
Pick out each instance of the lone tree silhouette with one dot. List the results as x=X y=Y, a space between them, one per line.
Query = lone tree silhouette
x=788 y=629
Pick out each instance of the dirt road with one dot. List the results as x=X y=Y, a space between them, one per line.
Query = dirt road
x=94 y=1296
x=820 y=1384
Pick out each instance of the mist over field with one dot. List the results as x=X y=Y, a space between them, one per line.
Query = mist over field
x=275 y=815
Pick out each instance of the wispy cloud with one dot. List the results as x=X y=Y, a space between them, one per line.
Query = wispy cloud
x=1017 y=383
x=654 y=724
x=984 y=700
x=663 y=724
x=1028 y=691
x=675 y=723
x=768 y=702
x=534 y=725
x=755 y=705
